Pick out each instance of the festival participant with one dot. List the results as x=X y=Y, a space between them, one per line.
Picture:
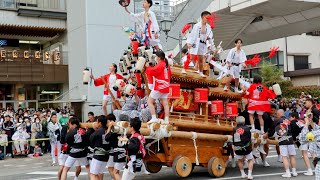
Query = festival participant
x=113 y=167
x=65 y=150
x=108 y=80
x=128 y=108
x=296 y=128
x=199 y=39
x=148 y=25
x=78 y=141
x=282 y=130
x=313 y=136
x=258 y=96
x=161 y=74
x=235 y=59
x=242 y=146
x=100 y=140
x=135 y=150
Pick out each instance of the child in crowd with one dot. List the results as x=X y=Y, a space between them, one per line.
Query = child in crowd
x=20 y=139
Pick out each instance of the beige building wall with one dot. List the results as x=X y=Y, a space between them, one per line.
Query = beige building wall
x=313 y=80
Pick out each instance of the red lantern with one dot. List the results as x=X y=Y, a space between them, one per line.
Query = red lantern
x=232 y=109
x=135 y=46
x=174 y=91
x=217 y=107
x=201 y=95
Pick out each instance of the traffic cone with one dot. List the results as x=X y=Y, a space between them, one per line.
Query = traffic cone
x=56 y=151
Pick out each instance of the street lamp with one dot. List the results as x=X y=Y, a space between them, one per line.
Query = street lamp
x=166 y=28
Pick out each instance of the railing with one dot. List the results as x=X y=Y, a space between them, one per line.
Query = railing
x=54 y=5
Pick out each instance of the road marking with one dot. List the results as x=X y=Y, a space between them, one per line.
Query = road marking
x=21 y=165
x=7 y=165
x=260 y=175
x=43 y=178
x=38 y=163
x=54 y=173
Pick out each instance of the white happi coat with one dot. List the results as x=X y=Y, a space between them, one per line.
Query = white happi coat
x=195 y=37
x=139 y=19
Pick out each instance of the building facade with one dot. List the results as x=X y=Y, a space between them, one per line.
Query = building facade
x=33 y=52
x=298 y=57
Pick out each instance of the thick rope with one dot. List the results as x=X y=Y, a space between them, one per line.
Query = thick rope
x=194 y=138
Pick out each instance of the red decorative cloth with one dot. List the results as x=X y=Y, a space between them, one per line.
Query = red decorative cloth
x=99 y=82
x=258 y=98
x=161 y=76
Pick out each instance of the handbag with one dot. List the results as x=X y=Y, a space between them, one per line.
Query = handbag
x=39 y=135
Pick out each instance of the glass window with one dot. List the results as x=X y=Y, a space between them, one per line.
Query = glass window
x=301 y=62
x=281 y=57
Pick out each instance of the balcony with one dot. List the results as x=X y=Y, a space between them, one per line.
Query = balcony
x=302 y=72
x=37 y=8
x=32 y=70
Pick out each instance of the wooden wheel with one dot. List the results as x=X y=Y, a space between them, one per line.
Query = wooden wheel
x=216 y=167
x=182 y=166
x=153 y=167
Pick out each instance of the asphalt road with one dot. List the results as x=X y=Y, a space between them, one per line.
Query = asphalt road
x=24 y=168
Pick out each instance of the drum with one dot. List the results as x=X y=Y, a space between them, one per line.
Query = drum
x=232 y=109
x=174 y=91
x=140 y=64
x=129 y=90
x=217 y=108
x=201 y=95
x=123 y=68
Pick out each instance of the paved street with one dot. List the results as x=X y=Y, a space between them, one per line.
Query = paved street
x=41 y=169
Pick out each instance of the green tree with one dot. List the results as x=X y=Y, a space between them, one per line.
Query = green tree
x=271 y=74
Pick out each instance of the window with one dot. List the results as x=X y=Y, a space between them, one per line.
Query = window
x=301 y=62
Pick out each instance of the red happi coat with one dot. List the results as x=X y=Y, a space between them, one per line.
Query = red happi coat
x=161 y=76
x=99 y=82
x=258 y=98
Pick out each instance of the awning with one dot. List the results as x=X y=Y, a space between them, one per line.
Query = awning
x=63 y=101
x=35 y=31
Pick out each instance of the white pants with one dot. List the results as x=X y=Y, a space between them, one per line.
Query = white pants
x=19 y=145
x=53 y=148
x=128 y=175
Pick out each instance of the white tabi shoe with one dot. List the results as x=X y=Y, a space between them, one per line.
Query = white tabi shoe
x=286 y=175
x=308 y=173
x=153 y=121
x=244 y=176
x=294 y=174
x=266 y=164
x=197 y=71
x=183 y=71
x=250 y=177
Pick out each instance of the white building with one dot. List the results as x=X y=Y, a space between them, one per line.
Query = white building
x=298 y=56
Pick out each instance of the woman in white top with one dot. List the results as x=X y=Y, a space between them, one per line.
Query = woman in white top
x=235 y=60
x=200 y=38
x=147 y=24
